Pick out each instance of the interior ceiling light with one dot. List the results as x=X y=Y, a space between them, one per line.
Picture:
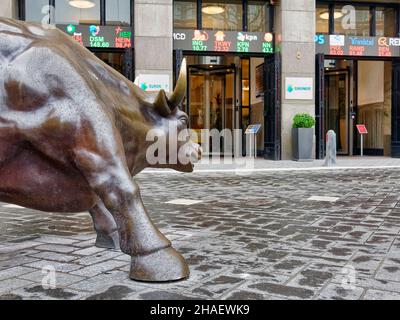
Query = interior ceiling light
x=212 y=9
x=82 y=4
x=325 y=15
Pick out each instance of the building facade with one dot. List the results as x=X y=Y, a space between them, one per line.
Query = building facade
x=253 y=62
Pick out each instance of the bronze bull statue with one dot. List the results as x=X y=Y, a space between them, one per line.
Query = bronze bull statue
x=72 y=136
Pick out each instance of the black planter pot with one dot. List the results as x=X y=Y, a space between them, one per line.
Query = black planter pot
x=303 y=144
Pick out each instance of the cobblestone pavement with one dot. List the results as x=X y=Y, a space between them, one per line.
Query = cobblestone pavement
x=252 y=237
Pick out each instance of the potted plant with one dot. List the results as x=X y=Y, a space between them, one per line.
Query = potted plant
x=303 y=137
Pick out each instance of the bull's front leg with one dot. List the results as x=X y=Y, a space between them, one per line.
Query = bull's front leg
x=153 y=258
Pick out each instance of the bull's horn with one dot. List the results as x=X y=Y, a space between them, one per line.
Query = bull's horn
x=161 y=104
x=176 y=98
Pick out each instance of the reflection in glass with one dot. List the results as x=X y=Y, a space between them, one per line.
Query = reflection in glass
x=221 y=15
x=322 y=18
x=362 y=22
x=336 y=108
x=65 y=13
x=258 y=16
x=118 y=12
x=386 y=22
x=113 y=59
x=185 y=14
x=245 y=82
x=33 y=10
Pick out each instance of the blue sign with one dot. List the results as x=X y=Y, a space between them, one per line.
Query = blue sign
x=253 y=128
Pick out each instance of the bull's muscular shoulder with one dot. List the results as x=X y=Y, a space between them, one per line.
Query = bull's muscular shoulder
x=40 y=65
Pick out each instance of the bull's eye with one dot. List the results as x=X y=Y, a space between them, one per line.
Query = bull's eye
x=184 y=120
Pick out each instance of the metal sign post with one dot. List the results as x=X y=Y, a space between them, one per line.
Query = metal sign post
x=251 y=132
x=362 y=130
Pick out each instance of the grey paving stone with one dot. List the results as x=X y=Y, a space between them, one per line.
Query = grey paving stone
x=166 y=295
x=61 y=279
x=101 y=267
x=311 y=279
x=244 y=295
x=103 y=281
x=56 y=240
x=372 y=294
x=288 y=266
x=12 y=247
x=389 y=270
x=10 y=284
x=116 y=292
x=283 y=291
x=89 y=251
x=37 y=292
x=14 y=272
x=58 y=266
x=337 y=292
x=16 y=261
x=55 y=248
x=54 y=256
x=217 y=286
x=97 y=257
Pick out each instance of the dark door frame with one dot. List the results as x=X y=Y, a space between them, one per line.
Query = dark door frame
x=396 y=108
x=221 y=69
x=272 y=92
x=347 y=72
x=272 y=107
x=319 y=102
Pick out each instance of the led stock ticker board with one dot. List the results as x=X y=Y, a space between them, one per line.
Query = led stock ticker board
x=223 y=41
x=95 y=36
x=340 y=45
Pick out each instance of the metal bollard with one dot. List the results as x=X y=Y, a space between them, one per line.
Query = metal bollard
x=330 y=159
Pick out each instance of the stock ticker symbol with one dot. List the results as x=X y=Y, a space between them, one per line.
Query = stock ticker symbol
x=71 y=29
x=219 y=36
x=94 y=30
x=382 y=41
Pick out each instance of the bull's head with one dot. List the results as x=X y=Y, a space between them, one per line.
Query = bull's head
x=174 y=124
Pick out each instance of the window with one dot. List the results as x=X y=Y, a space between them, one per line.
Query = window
x=118 y=12
x=33 y=9
x=357 y=19
x=361 y=25
x=322 y=18
x=258 y=16
x=222 y=15
x=386 y=22
x=185 y=15
x=67 y=13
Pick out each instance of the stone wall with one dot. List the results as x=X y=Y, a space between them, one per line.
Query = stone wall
x=8 y=8
x=295 y=30
x=153 y=37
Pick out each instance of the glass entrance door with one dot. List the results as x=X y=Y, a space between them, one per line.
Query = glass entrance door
x=337 y=108
x=211 y=107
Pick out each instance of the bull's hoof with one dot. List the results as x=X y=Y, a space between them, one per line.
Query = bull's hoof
x=160 y=266
x=109 y=241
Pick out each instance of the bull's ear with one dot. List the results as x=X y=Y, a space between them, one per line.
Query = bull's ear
x=161 y=104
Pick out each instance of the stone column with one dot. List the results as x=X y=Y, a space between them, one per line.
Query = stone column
x=8 y=9
x=295 y=30
x=153 y=37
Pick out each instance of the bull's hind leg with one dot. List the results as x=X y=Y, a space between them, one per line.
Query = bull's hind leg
x=105 y=226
